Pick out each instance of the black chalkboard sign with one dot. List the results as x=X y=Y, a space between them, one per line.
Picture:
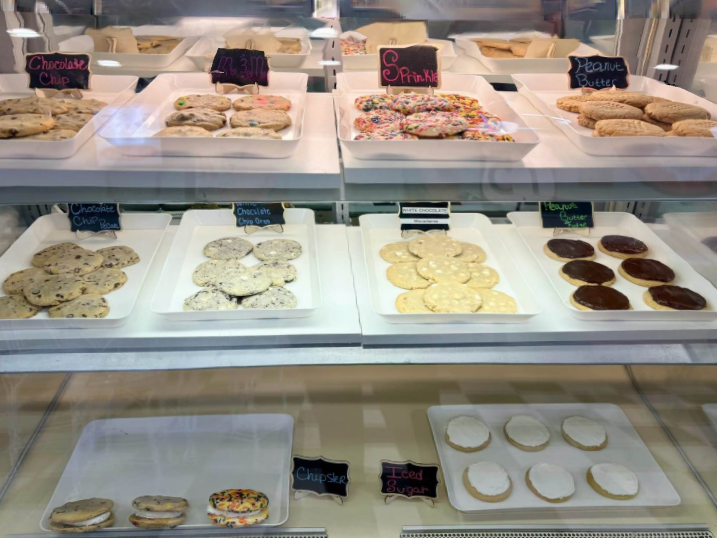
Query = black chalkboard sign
x=321 y=476
x=58 y=70
x=425 y=216
x=94 y=218
x=250 y=214
x=409 y=479
x=598 y=72
x=572 y=215
x=415 y=66
x=240 y=67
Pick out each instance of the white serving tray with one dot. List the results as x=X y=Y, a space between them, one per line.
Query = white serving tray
x=519 y=65
x=183 y=456
x=133 y=128
x=203 y=52
x=147 y=61
x=528 y=226
x=142 y=232
x=369 y=62
x=353 y=85
x=113 y=90
x=692 y=229
x=380 y=230
x=199 y=227
x=624 y=447
x=544 y=90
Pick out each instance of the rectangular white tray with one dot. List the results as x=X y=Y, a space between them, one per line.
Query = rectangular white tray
x=199 y=227
x=149 y=61
x=353 y=85
x=183 y=456
x=529 y=227
x=113 y=90
x=624 y=447
x=544 y=90
x=519 y=65
x=133 y=128
x=204 y=50
x=141 y=231
x=380 y=230
x=369 y=62
x=692 y=229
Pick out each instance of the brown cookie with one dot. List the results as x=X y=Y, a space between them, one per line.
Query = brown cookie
x=626 y=128
x=695 y=128
x=571 y=103
x=586 y=122
x=671 y=112
x=609 y=110
x=638 y=100
x=661 y=124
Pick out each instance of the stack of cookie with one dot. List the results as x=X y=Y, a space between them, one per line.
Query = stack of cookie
x=228 y=284
x=257 y=117
x=68 y=279
x=503 y=48
x=412 y=116
x=628 y=113
x=37 y=118
x=444 y=275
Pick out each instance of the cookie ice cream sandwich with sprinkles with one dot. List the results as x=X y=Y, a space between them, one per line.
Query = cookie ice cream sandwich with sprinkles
x=237 y=508
x=158 y=512
x=86 y=515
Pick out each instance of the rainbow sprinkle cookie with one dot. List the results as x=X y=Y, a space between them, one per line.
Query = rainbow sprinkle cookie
x=486 y=135
x=434 y=124
x=413 y=103
x=352 y=47
x=481 y=118
x=379 y=119
x=367 y=103
x=462 y=103
x=384 y=134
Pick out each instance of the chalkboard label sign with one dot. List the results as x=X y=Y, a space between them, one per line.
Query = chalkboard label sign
x=425 y=216
x=598 y=72
x=320 y=476
x=94 y=218
x=58 y=70
x=414 y=66
x=408 y=479
x=260 y=215
x=240 y=67
x=570 y=215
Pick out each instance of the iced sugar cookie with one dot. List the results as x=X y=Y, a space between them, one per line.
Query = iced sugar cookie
x=526 y=433
x=584 y=433
x=467 y=434
x=613 y=481
x=550 y=482
x=487 y=481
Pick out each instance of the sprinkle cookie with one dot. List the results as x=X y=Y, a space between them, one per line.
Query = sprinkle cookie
x=235 y=508
x=255 y=133
x=434 y=124
x=385 y=134
x=413 y=103
x=462 y=103
x=379 y=119
x=380 y=101
x=183 y=131
x=206 y=118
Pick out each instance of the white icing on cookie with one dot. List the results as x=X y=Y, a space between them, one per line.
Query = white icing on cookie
x=488 y=478
x=527 y=431
x=614 y=478
x=584 y=431
x=467 y=432
x=551 y=481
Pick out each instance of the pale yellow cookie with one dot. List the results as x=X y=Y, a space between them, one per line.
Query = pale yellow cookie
x=411 y=302
x=662 y=125
x=571 y=103
x=482 y=276
x=471 y=253
x=671 y=112
x=496 y=302
x=609 y=110
x=397 y=253
x=695 y=128
x=638 y=100
x=435 y=246
x=404 y=275
x=443 y=270
x=452 y=297
x=626 y=128
x=584 y=121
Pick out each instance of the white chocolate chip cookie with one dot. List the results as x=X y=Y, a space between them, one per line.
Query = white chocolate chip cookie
x=397 y=253
x=443 y=270
x=471 y=253
x=497 y=302
x=406 y=276
x=452 y=297
x=435 y=246
x=411 y=302
x=482 y=276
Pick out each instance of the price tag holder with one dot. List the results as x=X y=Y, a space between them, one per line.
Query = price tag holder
x=320 y=476
x=414 y=67
x=57 y=72
x=563 y=217
x=409 y=480
x=598 y=72
x=242 y=70
x=424 y=217
x=95 y=219
x=254 y=217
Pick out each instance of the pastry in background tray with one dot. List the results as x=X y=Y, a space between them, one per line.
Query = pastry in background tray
x=353 y=47
x=235 y=508
x=274 y=298
x=584 y=433
x=622 y=246
x=674 y=298
x=413 y=103
x=17 y=307
x=565 y=250
x=85 y=306
x=210 y=299
x=647 y=273
x=385 y=120
x=496 y=302
x=486 y=135
x=32 y=105
x=608 y=128
x=599 y=298
x=213 y=102
x=262 y=102
x=694 y=128
x=157 y=44
x=487 y=481
x=158 y=512
x=254 y=133
x=411 y=302
x=377 y=101
x=19 y=125
x=83 y=106
x=266 y=119
x=183 y=131
x=613 y=481
x=587 y=273
x=550 y=482
x=206 y=118
x=526 y=433
x=86 y=515
x=449 y=297
x=467 y=434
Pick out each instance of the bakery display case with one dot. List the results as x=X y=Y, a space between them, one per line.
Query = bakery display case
x=428 y=269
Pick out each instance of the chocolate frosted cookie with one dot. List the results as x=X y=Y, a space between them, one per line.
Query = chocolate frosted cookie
x=674 y=298
x=599 y=298
x=623 y=247
x=565 y=250
x=586 y=272
x=645 y=272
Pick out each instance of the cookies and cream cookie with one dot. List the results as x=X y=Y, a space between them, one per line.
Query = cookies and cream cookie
x=54 y=135
x=83 y=106
x=278 y=250
x=613 y=481
x=487 y=481
x=40 y=258
x=695 y=128
x=228 y=248
x=85 y=306
x=380 y=101
x=210 y=299
x=213 y=102
x=587 y=273
x=250 y=132
x=17 y=307
x=565 y=250
x=77 y=262
x=482 y=276
x=86 y=515
x=243 y=283
x=385 y=120
x=103 y=281
x=158 y=512
x=32 y=105
x=550 y=482
x=206 y=118
x=443 y=270
x=235 y=508
x=434 y=124
x=623 y=247
x=673 y=298
x=599 y=298
x=496 y=302
x=572 y=103
x=584 y=433
x=266 y=119
x=435 y=246
x=471 y=253
x=411 y=302
x=54 y=289
x=467 y=434
x=526 y=433
x=626 y=128
x=647 y=273
x=72 y=121
x=275 y=297
x=397 y=253
x=207 y=273
x=280 y=271
x=19 y=125
x=118 y=257
x=183 y=131
x=452 y=297
x=16 y=282
x=671 y=112
x=405 y=275
x=262 y=101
